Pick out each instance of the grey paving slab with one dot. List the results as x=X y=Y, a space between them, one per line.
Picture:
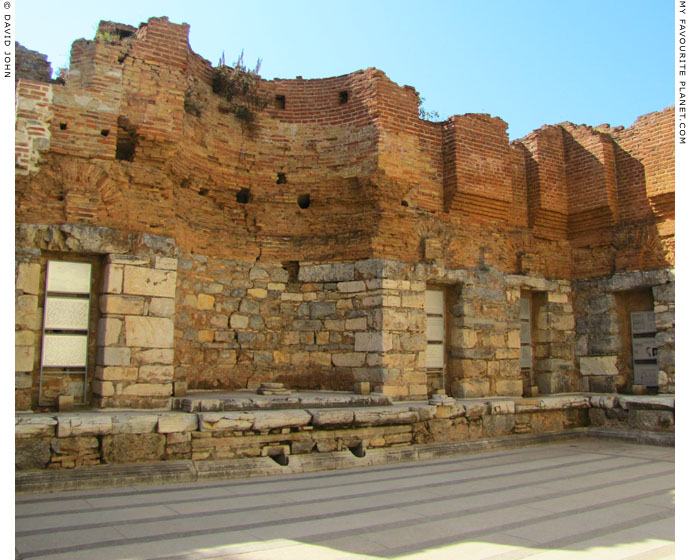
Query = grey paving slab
x=544 y=502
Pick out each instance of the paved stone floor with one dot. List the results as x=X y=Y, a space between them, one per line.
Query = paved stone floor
x=587 y=498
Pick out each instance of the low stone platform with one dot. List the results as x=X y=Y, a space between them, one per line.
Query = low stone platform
x=212 y=401
x=108 y=437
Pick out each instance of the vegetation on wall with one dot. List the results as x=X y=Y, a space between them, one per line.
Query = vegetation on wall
x=239 y=87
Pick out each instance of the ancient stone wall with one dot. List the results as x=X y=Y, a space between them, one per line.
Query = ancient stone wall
x=307 y=234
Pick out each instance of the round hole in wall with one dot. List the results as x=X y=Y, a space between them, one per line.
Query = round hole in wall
x=304 y=200
x=243 y=196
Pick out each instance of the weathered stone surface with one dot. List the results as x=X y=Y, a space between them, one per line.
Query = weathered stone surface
x=598 y=365
x=509 y=387
x=501 y=406
x=28 y=277
x=34 y=426
x=498 y=425
x=133 y=448
x=148 y=390
x=156 y=374
x=337 y=272
x=373 y=342
x=134 y=423
x=154 y=356
x=224 y=421
x=149 y=332
x=114 y=356
x=651 y=420
x=349 y=359
x=630 y=402
x=162 y=307
x=31 y=453
x=121 y=305
x=149 y=282
x=112 y=278
x=269 y=420
x=470 y=388
x=385 y=417
x=177 y=422
x=330 y=418
x=83 y=424
x=23 y=358
x=603 y=401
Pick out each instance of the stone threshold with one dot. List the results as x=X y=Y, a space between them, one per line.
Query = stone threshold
x=186 y=471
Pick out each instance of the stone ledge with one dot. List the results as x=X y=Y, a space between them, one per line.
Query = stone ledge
x=114 y=476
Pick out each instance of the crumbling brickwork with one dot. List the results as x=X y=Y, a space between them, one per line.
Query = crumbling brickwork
x=297 y=245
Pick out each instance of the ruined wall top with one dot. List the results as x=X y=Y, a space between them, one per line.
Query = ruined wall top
x=339 y=168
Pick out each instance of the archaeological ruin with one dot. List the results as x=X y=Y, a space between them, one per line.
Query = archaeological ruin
x=185 y=232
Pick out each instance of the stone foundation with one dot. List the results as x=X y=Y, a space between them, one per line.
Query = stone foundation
x=86 y=439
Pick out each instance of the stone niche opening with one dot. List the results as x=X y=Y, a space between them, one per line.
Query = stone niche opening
x=60 y=307
x=627 y=302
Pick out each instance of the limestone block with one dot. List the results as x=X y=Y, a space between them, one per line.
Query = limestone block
x=290 y=296
x=598 y=365
x=268 y=420
x=337 y=272
x=320 y=358
x=34 y=426
x=109 y=331
x=553 y=382
x=647 y=402
x=225 y=421
x=463 y=338
x=560 y=403
x=26 y=312
x=113 y=356
x=561 y=322
x=149 y=332
x=603 y=401
x=373 y=342
x=121 y=305
x=350 y=287
x=385 y=417
x=24 y=358
x=238 y=321
x=413 y=300
x=24 y=338
x=501 y=406
x=28 y=278
x=322 y=418
x=179 y=388
x=165 y=263
x=177 y=422
x=156 y=374
x=149 y=281
x=31 y=453
x=117 y=373
x=322 y=338
x=134 y=260
x=555 y=297
x=321 y=309
x=133 y=448
x=103 y=388
x=259 y=293
x=148 y=390
x=509 y=387
x=154 y=356
x=112 y=278
x=497 y=425
x=258 y=273
x=276 y=286
x=356 y=324
x=23 y=380
x=134 y=423
x=84 y=424
x=205 y=335
x=162 y=307
x=349 y=359
x=469 y=388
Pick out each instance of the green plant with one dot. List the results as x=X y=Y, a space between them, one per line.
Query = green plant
x=106 y=36
x=423 y=113
x=239 y=86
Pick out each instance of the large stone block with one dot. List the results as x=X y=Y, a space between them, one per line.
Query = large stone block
x=598 y=365
x=32 y=453
x=509 y=387
x=24 y=358
x=34 y=426
x=113 y=356
x=373 y=342
x=28 y=278
x=225 y=421
x=148 y=390
x=349 y=359
x=109 y=330
x=149 y=332
x=133 y=448
x=162 y=307
x=177 y=422
x=149 y=282
x=553 y=382
x=26 y=312
x=112 y=304
x=470 y=388
x=156 y=374
x=268 y=420
x=83 y=424
x=134 y=423
x=112 y=278
x=337 y=272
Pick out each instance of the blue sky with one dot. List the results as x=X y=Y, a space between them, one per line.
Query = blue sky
x=530 y=62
